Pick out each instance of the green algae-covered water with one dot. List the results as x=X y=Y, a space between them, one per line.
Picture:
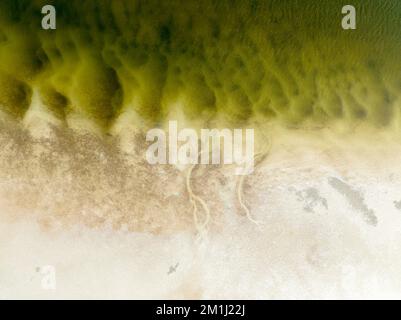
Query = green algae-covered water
x=285 y=61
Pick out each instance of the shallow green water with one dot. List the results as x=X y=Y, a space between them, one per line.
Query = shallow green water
x=288 y=61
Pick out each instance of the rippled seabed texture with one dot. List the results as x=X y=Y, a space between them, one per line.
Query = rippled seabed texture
x=76 y=192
